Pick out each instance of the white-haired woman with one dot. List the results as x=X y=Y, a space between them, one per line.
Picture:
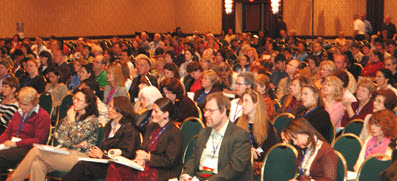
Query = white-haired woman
x=143 y=108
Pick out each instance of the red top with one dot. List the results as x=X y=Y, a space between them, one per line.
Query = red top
x=196 y=85
x=371 y=68
x=35 y=129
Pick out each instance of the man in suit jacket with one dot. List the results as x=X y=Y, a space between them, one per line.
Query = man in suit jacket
x=222 y=150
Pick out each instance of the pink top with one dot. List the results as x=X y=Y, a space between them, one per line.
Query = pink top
x=336 y=112
x=374 y=148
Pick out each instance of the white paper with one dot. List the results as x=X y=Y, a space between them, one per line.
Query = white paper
x=2 y=147
x=52 y=149
x=95 y=160
x=127 y=162
x=351 y=175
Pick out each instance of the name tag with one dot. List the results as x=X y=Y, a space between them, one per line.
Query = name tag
x=16 y=139
x=208 y=167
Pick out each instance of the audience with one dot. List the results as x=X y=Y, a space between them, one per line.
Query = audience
x=116 y=87
x=9 y=104
x=55 y=87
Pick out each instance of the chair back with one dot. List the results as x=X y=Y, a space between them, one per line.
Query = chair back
x=46 y=101
x=341 y=167
x=349 y=145
x=100 y=136
x=189 y=148
x=279 y=163
x=66 y=102
x=200 y=114
x=372 y=167
x=190 y=127
x=355 y=126
x=281 y=121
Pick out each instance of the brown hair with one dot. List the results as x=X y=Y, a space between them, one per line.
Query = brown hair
x=390 y=98
x=124 y=106
x=387 y=122
x=302 y=126
x=222 y=101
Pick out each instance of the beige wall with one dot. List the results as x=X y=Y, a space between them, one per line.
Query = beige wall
x=200 y=15
x=390 y=10
x=330 y=17
x=108 y=17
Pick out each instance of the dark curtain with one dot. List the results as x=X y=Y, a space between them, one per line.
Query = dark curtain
x=375 y=10
x=228 y=20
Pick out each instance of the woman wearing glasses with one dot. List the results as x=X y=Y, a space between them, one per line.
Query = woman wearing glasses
x=161 y=152
x=119 y=133
x=77 y=134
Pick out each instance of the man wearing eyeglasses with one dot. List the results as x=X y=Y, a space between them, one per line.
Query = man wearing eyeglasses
x=222 y=150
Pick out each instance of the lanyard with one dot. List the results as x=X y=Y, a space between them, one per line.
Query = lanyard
x=23 y=121
x=309 y=111
x=237 y=110
x=358 y=109
x=146 y=120
x=110 y=95
x=301 y=169
x=213 y=145
x=289 y=109
x=150 y=145
x=366 y=153
x=251 y=135
x=5 y=103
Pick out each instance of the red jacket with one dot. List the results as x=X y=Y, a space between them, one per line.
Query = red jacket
x=34 y=130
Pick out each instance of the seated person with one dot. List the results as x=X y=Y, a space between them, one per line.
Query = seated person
x=207 y=84
x=143 y=108
x=364 y=104
x=9 y=104
x=383 y=126
x=256 y=122
x=116 y=87
x=119 y=133
x=32 y=77
x=316 y=160
x=30 y=124
x=232 y=160
x=55 y=87
x=78 y=133
x=244 y=80
x=291 y=103
x=161 y=152
x=184 y=107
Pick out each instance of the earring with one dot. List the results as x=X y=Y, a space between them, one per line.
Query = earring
x=307 y=135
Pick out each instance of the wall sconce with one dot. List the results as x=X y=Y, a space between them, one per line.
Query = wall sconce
x=228 y=6
x=275 y=4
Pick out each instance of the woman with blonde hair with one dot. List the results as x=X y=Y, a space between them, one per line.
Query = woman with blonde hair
x=332 y=94
x=116 y=87
x=255 y=121
x=227 y=78
x=252 y=55
x=327 y=68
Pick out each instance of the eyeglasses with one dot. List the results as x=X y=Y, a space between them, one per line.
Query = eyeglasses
x=210 y=111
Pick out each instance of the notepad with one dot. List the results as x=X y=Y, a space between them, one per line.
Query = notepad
x=2 y=147
x=126 y=162
x=95 y=160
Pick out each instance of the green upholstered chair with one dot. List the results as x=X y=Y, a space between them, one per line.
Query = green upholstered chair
x=349 y=145
x=342 y=167
x=190 y=127
x=279 y=163
x=372 y=167
x=355 y=126
x=281 y=121
x=189 y=148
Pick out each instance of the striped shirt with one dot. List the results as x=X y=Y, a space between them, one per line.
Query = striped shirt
x=8 y=111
